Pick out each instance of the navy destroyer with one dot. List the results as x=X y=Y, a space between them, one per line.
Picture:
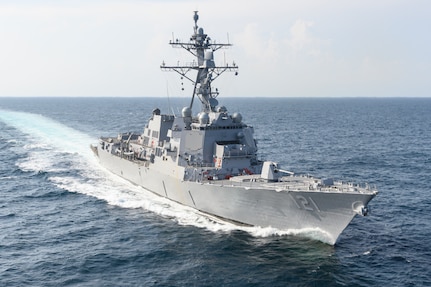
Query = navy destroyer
x=209 y=161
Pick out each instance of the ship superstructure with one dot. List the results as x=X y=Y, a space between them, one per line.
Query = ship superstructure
x=209 y=161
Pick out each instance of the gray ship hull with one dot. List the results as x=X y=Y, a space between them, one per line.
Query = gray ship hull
x=246 y=203
x=209 y=160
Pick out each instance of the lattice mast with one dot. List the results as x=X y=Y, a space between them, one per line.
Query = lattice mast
x=203 y=48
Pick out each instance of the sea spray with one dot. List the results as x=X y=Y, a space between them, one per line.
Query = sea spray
x=55 y=148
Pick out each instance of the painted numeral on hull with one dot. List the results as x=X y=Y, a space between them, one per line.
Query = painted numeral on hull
x=307 y=204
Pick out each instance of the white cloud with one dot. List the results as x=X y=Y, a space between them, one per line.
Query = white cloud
x=257 y=45
x=300 y=36
x=283 y=48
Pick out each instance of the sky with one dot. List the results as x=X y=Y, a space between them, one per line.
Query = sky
x=284 y=48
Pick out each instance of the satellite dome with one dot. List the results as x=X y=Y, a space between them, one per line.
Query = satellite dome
x=186 y=112
x=237 y=118
x=204 y=119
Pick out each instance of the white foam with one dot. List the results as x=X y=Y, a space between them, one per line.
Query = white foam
x=50 y=143
x=36 y=162
x=46 y=132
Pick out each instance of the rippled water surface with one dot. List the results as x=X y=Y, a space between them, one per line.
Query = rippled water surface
x=65 y=221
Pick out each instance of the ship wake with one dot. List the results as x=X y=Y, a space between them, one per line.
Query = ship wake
x=63 y=153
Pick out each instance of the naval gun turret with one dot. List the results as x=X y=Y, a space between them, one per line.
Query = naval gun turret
x=209 y=162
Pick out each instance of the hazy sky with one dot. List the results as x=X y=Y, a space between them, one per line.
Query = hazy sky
x=365 y=48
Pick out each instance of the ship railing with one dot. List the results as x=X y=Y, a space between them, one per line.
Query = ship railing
x=295 y=185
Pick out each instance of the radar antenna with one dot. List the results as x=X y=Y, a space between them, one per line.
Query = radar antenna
x=202 y=47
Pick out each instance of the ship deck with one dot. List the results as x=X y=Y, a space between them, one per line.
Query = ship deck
x=293 y=183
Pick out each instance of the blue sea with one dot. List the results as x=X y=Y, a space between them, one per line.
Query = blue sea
x=66 y=221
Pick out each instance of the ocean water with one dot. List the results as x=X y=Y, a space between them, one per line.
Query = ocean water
x=65 y=221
